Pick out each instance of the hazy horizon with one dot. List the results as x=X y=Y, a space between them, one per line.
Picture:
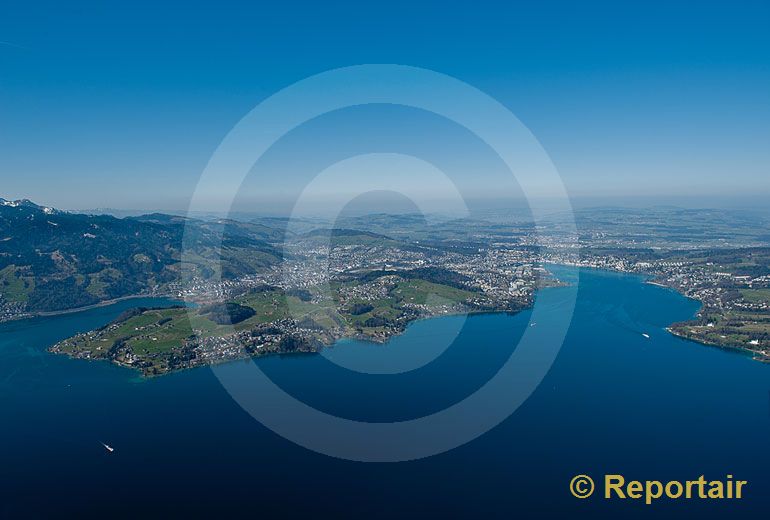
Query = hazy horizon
x=398 y=205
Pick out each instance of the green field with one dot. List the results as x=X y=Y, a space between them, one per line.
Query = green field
x=14 y=287
x=155 y=337
x=756 y=295
x=730 y=329
x=429 y=293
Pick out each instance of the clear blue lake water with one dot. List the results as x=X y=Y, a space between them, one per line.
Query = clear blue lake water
x=613 y=402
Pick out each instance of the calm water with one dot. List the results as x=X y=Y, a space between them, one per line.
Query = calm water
x=662 y=408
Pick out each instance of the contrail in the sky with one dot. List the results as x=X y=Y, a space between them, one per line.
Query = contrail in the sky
x=10 y=44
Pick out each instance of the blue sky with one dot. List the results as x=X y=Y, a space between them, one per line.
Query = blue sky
x=122 y=106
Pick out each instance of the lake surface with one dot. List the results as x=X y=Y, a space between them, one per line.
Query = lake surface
x=614 y=402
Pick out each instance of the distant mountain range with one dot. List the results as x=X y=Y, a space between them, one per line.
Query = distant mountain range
x=53 y=260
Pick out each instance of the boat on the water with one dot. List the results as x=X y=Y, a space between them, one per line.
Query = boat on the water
x=646 y=335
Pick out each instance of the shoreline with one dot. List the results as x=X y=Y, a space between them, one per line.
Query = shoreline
x=105 y=303
x=246 y=356
x=382 y=340
x=375 y=340
x=755 y=356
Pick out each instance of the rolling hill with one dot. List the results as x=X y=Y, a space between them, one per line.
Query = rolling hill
x=54 y=260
